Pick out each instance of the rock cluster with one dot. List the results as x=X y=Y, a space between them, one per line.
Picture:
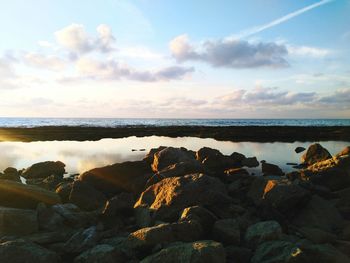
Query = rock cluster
x=178 y=205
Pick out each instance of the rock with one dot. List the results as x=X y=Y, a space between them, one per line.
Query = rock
x=237 y=157
x=17 y=221
x=250 y=162
x=201 y=215
x=143 y=216
x=314 y=154
x=271 y=169
x=82 y=240
x=63 y=190
x=261 y=232
x=171 y=195
x=146 y=238
x=100 y=254
x=299 y=149
x=322 y=254
x=214 y=160
x=227 y=231
x=345 y=151
x=319 y=213
x=122 y=203
x=116 y=178
x=316 y=235
x=86 y=197
x=343 y=202
x=180 y=169
x=48 y=238
x=48 y=219
x=20 y=251
x=234 y=174
x=73 y=216
x=44 y=169
x=199 y=251
x=150 y=155
x=14 y=194
x=11 y=174
x=238 y=254
x=169 y=156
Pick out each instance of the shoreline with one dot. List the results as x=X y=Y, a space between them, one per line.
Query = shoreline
x=227 y=133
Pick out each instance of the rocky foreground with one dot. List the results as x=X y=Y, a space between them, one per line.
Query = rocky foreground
x=178 y=205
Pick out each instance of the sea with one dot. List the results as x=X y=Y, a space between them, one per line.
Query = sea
x=125 y=122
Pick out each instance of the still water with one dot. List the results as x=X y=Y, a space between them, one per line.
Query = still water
x=82 y=156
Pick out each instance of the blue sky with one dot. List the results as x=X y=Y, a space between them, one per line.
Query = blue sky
x=185 y=59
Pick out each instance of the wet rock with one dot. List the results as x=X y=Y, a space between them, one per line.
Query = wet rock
x=261 y=232
x=199 y=214
x=315 y=153
x=250 y=162
x=21 y=251
x=146 y=238
x=101 y=254
x=319 y=213
x=86 y=197
x=17 y=221
x=44 y=169
x=238 y=254
x=227 y=231
x=200 y=251
x=271 y=169
x=116 y=178
x=170 y=156
x=82 y=240
x=171 y=195
x=14 y=194
x=299 y=149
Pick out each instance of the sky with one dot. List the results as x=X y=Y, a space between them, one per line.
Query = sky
x=175 y=59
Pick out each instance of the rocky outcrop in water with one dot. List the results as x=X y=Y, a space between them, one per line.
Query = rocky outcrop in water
x=179 y=206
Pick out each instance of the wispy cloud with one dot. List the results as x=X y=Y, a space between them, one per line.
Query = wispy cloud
x=260 y=28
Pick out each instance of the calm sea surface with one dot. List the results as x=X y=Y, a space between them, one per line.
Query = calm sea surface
x=107 y=122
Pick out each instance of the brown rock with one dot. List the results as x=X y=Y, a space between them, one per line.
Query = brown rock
x=44 y=169
x=227 y=231
x=271 y=169
x=315 y=153
x=17 y=221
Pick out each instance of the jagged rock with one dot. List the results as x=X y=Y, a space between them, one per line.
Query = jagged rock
x=14 y=194
x=250 y=162
x=180 y=169
x=101 y=254
x=299 y=149
x=17 y=221
x=199 y=251
x=86 y=197
x=146 y=238
x=171 y=195
x=262 y=232
x=319 y=213
x=271 y=169
x=44 y=169
x=63 y=190
x=122 y=203
x=238 y=157
x=82 y=240
x=201 y=215
x=170 y=156
x=20 y=251
x=150 y=155
x=227 y=231
x=238 y=254
x=314 y=154
x=116 y=178
x=214 y=159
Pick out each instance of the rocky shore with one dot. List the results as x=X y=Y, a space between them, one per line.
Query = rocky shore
x=230 y=133
x=177 y=205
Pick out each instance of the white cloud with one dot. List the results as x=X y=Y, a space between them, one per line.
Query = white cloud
x=308 y=51
x=45 y=62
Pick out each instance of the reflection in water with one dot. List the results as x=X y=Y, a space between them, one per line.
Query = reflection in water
x=82 y=156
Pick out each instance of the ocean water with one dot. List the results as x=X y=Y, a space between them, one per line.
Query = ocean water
x=119 y=122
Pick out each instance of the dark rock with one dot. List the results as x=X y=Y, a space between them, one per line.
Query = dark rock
x=345 y=151
x=116 y=178
x=238 y=254
x=21 y=251
x=227 y=231
x=44 y=169
x=169 y=156
x=171 y=195
x=201 y=215
x=299 y=149
x=314 y=154
x=317 y=235
x=48 y=219
x=11 y=174
x=17 y=221
x=122 y=203
x=250 y=162
x=262 y=232
x=271 y=169
x=214 y=160
x=150 y=155
x=63 y=190
x=14 y=194
x=82 y=240
x=101 y=254
x=238 y=157
x=143 y=216
x=86 y=197
x=200 y=251
x=73 y=216
x=180 y=169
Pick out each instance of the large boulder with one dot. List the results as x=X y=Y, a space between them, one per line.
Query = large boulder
x=100 y=254
x=82 y=240
x=215 y=160
x=271 y=169
x=17 y=221
x=20 y=251
x=196 y=252
x=171 y=195
x=10 y=173
x=169 y=156
x=315 y=153
x=86 y=196
x=44 y=169
x=199 y=214
x=319 y=213
x=262 y=232
x=112 y=179
x=14 y=194
x=250 y=162
x=227 y=231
